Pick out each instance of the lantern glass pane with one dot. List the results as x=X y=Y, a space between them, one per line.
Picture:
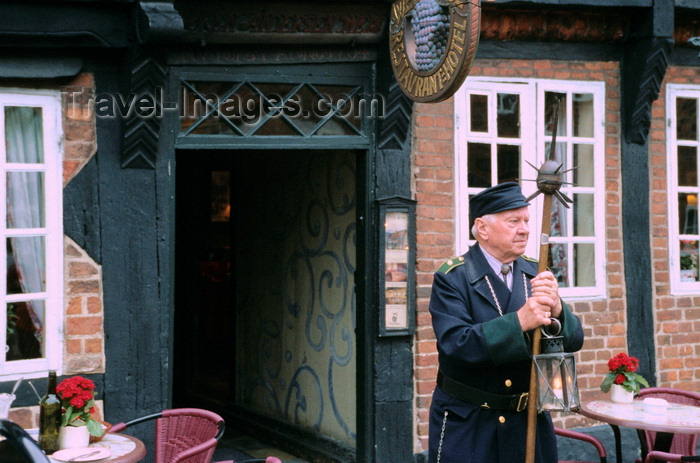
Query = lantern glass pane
x=556 y=381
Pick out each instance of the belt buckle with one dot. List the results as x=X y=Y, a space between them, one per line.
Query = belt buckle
x=522 y=401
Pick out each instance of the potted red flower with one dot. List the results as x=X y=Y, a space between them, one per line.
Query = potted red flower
x=623 y=377
x=77 y=396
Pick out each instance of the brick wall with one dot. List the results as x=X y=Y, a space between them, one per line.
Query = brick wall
x=83 y=329
x=604 y=321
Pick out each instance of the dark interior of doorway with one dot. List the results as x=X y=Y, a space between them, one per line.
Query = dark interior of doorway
x=204 y=351
x=219 y=197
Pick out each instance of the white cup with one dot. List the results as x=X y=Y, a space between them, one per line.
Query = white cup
x=655 y=406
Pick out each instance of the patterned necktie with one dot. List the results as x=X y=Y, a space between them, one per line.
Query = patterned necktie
x=505 y=269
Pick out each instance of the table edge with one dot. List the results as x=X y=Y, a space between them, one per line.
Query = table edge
x=657 y=427
x=138 y=454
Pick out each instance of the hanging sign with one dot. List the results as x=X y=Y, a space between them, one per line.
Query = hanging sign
x=432 y=45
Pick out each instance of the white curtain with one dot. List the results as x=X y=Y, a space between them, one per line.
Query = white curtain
x=25 y=203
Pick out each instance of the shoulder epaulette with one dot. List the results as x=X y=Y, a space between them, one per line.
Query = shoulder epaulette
x=530 y=259
x=451 y=264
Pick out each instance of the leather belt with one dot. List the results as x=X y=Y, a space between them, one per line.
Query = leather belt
x=514 y=402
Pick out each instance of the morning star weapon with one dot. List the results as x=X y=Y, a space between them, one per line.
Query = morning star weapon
x=549 y=181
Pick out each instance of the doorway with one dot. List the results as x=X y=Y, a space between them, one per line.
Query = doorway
x=265 y=304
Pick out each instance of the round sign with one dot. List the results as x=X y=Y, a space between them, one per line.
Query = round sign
x=432 y=45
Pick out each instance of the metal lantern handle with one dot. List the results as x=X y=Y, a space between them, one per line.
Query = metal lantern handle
x=553 y=329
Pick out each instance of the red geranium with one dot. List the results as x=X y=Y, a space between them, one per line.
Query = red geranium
x=623 y=362
x=622 y=370
x=77 y=396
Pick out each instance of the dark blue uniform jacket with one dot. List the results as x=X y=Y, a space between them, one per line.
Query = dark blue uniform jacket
x=481 y=348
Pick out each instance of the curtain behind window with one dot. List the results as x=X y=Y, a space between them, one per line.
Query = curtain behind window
x=25 y=204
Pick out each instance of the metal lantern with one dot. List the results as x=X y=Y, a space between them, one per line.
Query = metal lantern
x=557 y=389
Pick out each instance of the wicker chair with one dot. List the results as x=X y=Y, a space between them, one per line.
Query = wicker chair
x=585 y=438
x=683 y=446
x=183 y=435
x=21 y=443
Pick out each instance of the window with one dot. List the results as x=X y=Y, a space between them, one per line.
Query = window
x=683 y=143
x=30 y=158
x=503 y=131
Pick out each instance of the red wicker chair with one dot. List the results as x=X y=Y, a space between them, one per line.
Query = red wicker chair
x=683 y=446
x=183 y=435
x=586 y=438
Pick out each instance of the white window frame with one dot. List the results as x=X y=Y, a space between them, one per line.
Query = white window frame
x=50 y=102
x=533 y=141
x=673 y=92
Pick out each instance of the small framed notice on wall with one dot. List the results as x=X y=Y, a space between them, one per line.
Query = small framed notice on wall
x=397 y=269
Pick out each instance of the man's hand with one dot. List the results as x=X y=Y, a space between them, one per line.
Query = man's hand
x=543 y=304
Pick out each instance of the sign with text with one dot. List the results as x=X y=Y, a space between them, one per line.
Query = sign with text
x=432 y=45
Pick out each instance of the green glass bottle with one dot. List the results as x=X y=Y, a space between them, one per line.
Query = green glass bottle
x=49 y=417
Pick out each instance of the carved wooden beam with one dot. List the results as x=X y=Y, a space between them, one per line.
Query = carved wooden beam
x=157 y=22
x=142 y=121
x=396 y=123
x=645 y=59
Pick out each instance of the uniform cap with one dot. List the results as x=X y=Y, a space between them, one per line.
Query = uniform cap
x=498 y=198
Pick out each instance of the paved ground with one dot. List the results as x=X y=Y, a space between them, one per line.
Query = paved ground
x=240 y=447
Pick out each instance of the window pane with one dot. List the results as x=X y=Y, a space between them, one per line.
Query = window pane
x=584 y=165
x=689 y=260
x=26 y=265
x=687 y=166
x=559 y=217
x=558 y=263
x=24 y=333
x=583 y=114
x=479 y=113
x=687 y=117
x=25 y=200
x=508 y=115
x=508 y=163
x=688 y=213
x=550 y=99
x=479 y=165
x=584 y=257
x=584 y=225
x=559 y=155
x=24 y=134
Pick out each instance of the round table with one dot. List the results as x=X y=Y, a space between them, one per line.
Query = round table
x=675 y=418
x=125 y=449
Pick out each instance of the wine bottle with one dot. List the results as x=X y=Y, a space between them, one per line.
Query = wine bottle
x=49 y=417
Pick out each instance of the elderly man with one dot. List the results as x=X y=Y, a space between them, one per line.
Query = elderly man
x=484 y=306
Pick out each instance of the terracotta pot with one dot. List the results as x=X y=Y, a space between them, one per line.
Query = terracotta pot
x=71 y=437
x=620 y=395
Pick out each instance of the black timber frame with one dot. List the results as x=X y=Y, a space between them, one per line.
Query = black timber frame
x=643 y=65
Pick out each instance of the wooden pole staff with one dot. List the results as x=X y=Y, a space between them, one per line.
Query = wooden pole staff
x=549 y=181
x=537 y=336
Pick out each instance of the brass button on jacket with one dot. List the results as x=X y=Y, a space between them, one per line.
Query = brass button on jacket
x=509 y=383
x=501 y=419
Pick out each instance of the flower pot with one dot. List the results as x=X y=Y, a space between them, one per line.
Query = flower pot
x=620 y=395
x=70 y=437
